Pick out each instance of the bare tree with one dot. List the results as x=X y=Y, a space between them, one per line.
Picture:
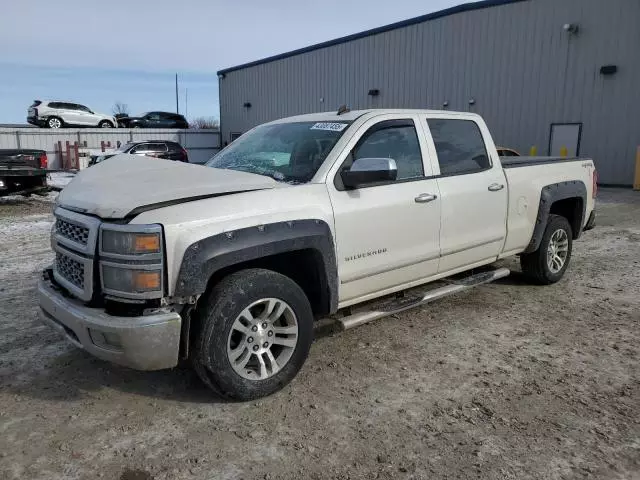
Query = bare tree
x=205 y=122
x=120 y=108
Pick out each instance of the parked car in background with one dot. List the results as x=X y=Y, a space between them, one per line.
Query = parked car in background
x=148 y=148
x=23 y=171
x=507 y=152
x=154 y=120
x=54 y=114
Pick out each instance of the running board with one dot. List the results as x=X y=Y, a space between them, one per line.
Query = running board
x=454 y=285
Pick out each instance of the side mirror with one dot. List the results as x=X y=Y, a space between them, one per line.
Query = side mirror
x=365 y=171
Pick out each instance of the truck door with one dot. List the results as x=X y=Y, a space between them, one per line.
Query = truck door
x=387 y=234
x=473 y=192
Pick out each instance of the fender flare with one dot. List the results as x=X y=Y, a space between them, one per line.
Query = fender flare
x=548 y=196
x=207 y=256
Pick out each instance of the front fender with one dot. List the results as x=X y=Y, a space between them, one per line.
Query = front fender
x=205 y=257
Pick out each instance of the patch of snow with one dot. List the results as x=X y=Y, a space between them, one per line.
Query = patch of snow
x=59 y=179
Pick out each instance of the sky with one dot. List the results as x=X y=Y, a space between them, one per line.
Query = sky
x=128 y=51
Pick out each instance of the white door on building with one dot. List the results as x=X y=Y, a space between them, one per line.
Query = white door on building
x=565 y=139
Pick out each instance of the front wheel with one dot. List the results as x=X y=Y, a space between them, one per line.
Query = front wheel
x=255 y=331
x=105 y=124
x=548 y=264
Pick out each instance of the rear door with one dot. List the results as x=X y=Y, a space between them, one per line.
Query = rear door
x=473 y=191
x=68 y=113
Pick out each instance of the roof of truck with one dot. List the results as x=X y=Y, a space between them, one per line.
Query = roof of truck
x=354 y=114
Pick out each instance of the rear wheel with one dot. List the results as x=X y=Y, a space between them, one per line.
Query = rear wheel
x=54 y=122
x=548 y=264
x=255 y=331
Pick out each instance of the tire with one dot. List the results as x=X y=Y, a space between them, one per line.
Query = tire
x=537 y=266
x=105 y=124
x=54 y=122
x=217 y=339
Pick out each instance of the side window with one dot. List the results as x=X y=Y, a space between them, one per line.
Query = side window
x=396 y=139
x=82 y=108
x=459 y=145
x=157 y=147
x=54 y=105
x=143 y=147
x=153 y=116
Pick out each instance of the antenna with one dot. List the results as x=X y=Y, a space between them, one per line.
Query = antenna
x=343 y=109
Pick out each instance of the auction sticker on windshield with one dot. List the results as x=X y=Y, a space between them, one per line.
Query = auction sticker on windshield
x=331 y=126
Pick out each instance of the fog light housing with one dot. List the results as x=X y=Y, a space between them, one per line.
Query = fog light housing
x=106 y=340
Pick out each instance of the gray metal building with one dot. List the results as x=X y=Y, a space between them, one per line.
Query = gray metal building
x=544 y=73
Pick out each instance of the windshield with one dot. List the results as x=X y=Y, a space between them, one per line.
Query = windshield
x=287 y=152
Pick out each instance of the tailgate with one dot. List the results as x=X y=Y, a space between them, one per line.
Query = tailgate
x=23 y=160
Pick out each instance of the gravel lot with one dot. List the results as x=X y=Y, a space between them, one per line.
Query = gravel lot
x=507 y=381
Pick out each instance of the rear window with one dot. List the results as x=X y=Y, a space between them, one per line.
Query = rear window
x=459 y=145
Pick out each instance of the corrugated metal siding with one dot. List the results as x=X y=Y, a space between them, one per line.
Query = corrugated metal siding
x=523 y=70
x=200 y=144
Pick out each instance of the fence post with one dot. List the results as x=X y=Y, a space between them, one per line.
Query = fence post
x=131 y=135
x=18 y=139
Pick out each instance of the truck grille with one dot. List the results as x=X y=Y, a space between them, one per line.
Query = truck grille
x=73 y=232
x=70 y=269
x=75 y=238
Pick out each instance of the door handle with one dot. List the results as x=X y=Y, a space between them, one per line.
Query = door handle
x=495 y=187
x=425 y=198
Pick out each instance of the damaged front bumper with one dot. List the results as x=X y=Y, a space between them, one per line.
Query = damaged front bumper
x=147 y=342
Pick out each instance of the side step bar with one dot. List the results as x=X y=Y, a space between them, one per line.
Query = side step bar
x=455 y=285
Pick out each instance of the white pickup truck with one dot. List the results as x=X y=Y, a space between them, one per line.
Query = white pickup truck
x=329 y=215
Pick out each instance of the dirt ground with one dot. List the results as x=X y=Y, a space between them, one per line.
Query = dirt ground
x=507 y=381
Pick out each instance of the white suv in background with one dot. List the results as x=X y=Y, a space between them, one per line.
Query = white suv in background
x=54 y=114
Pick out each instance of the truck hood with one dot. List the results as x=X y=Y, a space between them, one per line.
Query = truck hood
x=129 y=184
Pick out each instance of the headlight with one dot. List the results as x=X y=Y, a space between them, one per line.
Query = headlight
x=130 y=243
x=132 y=261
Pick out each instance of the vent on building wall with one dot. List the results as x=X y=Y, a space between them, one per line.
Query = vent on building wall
x=247 y=105
x=374 y=92
x=608 y=69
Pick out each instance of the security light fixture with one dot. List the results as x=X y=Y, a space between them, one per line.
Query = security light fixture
x=247 y=105
x=571 y=28
x=374 y=92
x=472 y=101
x=221 y=76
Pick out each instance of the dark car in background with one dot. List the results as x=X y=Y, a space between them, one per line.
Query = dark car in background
x=154 y=120
x=150 y=148
x=22 y=171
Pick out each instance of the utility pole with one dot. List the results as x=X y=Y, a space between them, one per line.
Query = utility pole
x=177 y=101
x=186 y=102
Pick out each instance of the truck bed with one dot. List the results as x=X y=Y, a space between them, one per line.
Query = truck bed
x=22 y=171
x=514 y=162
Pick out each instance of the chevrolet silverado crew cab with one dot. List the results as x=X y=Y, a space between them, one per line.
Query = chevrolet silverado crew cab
x=316 y=216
